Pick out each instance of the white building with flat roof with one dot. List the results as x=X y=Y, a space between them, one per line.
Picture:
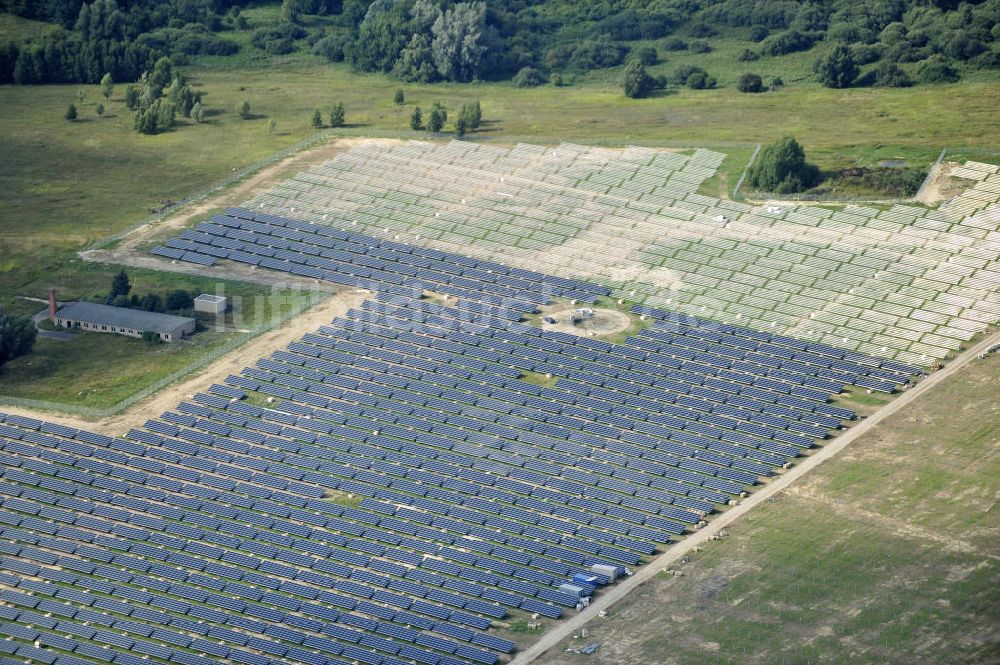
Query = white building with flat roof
x=210 y=304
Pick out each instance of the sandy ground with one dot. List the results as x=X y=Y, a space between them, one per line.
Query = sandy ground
x=940 y=187
x=604 y=322
x=232 y=363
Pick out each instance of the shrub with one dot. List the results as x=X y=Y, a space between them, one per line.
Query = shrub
x=150 y=336
x=597 y=54
x=647 y=55
x=889 y=75
x=750 y=83
x=787 y=42
x=636 y=82
x=937 y=69
x=684 y=72
x=70 y=112
x=837 y=68
x=17 y=336
x=782 y=168
x=702 y=30
x=332 y=47
x=675 y=44
x=699 y=46
x=748 y=56
x=278 y=39
x=179 y=299
x=759 y=33
x=528 y=77
x=701 y=81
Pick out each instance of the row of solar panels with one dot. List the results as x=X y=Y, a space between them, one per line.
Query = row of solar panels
x=648 y=399
x=321 y=392
x=530 y=436
x=513 y=349
x=325 y=253
x=653 y=351
x=544 y=535
x=321 y=558
x=365 y=463
x=621 y=361
x=890 y=371
x=40 y=527
x=464 y=469
x=489 y=424
x=340 y=546
x=421 y=463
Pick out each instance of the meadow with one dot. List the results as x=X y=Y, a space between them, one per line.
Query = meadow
x=885 y=554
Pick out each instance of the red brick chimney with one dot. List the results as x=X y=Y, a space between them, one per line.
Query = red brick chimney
x=52 y=305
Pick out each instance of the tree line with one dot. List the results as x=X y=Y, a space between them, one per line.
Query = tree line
x=535 y=40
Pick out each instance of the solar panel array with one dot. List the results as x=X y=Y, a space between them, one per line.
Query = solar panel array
x=388 y=487
x=907 y=283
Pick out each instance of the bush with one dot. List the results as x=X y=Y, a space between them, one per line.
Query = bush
x=937 y=69
x=278 y=39
x=151 y=302
x=597 y=54
x=889 y=75
x=647 y=55
x=701 y=81
x=629 y=26
x=702 y=30
x=192 y=39
x=748 y=56
x=636 y=82
x=782 y=168
x=837 y=68
x=70 y=112
x=790 y=41
x=332 y=47
x=151 y=337
x=759 y=33
x=699 y=46
x=528 y=77
x=675 y=44
x=684 y=72
x=17 y=336
x=750 y=83
x=179 y=299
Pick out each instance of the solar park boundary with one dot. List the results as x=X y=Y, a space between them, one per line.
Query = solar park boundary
x=312 y=299
x=216 y=186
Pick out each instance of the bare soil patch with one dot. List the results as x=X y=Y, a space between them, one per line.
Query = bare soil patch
x=602 y=323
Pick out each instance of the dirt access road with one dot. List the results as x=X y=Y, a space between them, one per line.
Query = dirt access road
x=681 y=549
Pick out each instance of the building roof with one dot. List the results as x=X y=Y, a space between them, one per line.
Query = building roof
x=122 y=317
x=205 y=297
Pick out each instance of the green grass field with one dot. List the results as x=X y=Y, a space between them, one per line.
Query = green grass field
x=886 y=554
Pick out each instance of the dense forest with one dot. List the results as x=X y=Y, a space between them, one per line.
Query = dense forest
x=531 y=41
